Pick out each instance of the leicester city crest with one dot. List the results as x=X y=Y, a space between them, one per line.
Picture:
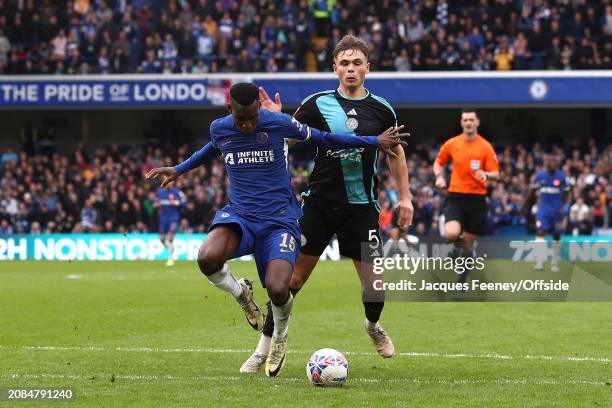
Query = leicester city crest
x=352 y=123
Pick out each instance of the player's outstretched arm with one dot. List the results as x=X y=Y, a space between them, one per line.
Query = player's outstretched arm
x=389 y=138
x=386 y=140
x=205 y=154
x=170 y=174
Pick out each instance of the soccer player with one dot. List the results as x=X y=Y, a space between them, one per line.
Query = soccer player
x=169 y=200
x=474 y=164
x=552 y=188
x=263 y=211
x=342 y=198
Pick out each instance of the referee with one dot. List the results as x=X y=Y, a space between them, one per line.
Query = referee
x=474 y=163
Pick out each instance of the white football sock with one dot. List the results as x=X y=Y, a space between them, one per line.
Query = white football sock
x=170 y=251
x=263 y=347
x=371 y=325
x=281 y=317
x=224 y=280
x=540 y=251
x=556 y=255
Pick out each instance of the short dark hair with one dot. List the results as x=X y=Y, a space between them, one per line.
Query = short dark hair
x=245 y=93
x=470 y=110
x=350 y=42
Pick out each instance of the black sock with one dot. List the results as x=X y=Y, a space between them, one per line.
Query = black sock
x=269 y=324
x=457 y=250
x=373 y=310
x=268 y=329
x=462 y=277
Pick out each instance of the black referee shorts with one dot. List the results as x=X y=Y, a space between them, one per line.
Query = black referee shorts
x=470 y=210
x=353 y=225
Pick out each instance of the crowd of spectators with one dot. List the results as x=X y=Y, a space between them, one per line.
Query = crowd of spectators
x=199 y=36
x=588 y=204
x=102 y=189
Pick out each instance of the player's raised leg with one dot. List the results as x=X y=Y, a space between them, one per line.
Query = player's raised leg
x=221 y=245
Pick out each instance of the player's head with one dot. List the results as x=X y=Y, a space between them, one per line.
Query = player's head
x=469 y=121
x=244 y=106
x=351 y=61
x=551 y=162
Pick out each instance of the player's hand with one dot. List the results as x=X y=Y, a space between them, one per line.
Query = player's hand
x=391 y=137
x=405 y=211
x=440 y=182
x=267 y=103
x=167 y=174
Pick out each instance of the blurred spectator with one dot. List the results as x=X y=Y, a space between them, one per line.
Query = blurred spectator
x=5 y=47
x=8 y=155
x=580 y=218
x=6 y=228
x=103 y=189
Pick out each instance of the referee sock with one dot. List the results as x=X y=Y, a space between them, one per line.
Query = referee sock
x=457 y=250
x=268 y=329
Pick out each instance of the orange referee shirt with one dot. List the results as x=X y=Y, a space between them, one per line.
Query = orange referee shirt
x=467 y=158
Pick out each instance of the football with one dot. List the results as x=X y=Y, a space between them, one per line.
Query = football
x=327 y=368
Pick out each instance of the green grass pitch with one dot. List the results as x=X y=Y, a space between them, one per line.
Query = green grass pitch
x=143 y=334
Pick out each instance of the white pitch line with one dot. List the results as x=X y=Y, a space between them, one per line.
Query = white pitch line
x=506 y=357
x=404 y=354
x=503 y=381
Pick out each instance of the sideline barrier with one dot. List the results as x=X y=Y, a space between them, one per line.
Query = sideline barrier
x=108 y=247
x=519 y=88
x=105 y=247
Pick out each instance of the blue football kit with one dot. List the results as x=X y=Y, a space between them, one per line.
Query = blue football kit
x=551 y=187
x=262 y=205
x=170 y=200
